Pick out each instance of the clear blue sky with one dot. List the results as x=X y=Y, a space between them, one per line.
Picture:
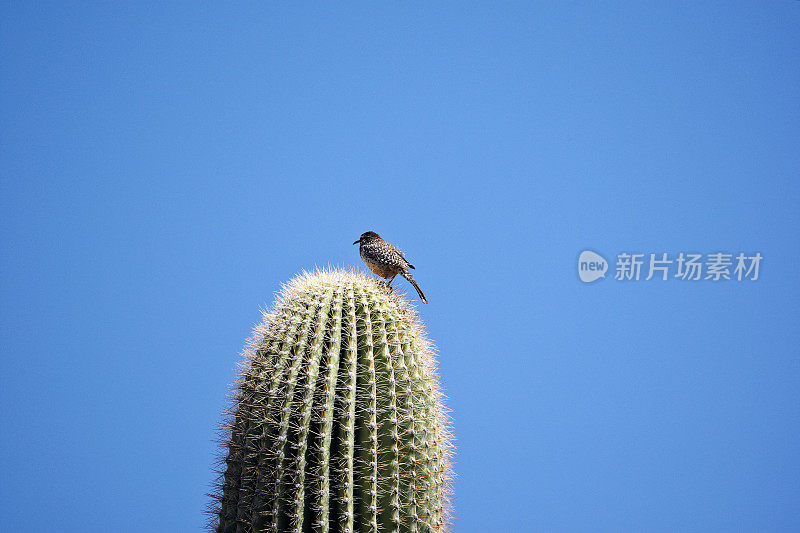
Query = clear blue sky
x=165 y=167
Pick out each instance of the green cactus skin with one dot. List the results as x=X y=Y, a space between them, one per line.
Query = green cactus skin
x=337 y=423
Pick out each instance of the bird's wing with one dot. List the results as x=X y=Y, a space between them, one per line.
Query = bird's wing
x=402 y=256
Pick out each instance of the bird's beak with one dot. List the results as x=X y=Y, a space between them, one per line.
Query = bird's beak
x=358 y=241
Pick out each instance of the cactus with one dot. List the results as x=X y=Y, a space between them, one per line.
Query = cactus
x=336 y=423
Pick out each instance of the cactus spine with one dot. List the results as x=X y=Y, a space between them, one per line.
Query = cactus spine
x=337 y=423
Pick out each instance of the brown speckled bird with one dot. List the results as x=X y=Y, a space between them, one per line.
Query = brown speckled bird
x=385 y=260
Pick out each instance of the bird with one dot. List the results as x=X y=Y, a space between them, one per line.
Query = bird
x=385 y=260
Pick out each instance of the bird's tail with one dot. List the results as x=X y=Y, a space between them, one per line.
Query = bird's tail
x=411 y=280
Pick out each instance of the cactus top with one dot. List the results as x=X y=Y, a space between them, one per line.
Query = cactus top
x=337 y=422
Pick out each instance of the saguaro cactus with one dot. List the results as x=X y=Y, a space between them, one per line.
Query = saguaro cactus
x=337 y=423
